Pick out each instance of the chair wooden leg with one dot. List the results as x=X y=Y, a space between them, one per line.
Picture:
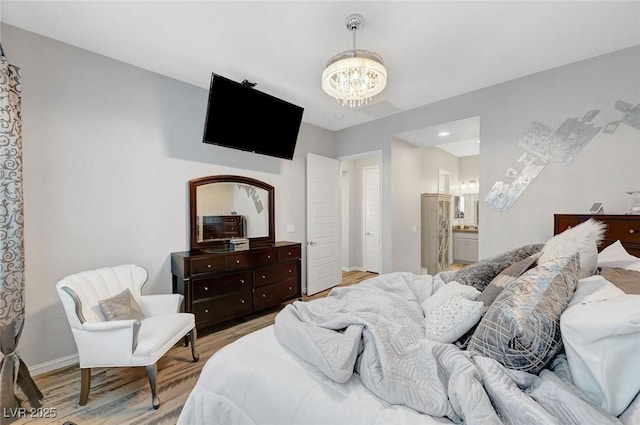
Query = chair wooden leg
x=194 y=334
x=85 y=385
x=152 y=372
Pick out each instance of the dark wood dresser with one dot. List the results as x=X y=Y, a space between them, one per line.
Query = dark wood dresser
x=223 y=226
x=224 y=285
x=625 y=228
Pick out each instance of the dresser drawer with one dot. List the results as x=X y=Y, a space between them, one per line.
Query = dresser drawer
x=275 y=294
x=251 y=259
x=623 y=230
x=222 y=308
x=288 y=253
x=231 y=226
x=207 y=265
x=267 y=275
x=219 y=285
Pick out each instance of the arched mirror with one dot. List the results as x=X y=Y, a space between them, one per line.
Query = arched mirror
x=226 y=207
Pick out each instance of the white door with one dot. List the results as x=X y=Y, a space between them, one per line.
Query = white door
x=371 y=186
x=323 y=223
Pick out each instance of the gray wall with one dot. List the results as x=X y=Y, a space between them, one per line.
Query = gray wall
x=405 y=201
x=469 y=169
x=108 y=151
x=432 y=161
x=603 y=171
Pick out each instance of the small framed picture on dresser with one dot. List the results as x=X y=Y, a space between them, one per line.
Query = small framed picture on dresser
x=596 y=208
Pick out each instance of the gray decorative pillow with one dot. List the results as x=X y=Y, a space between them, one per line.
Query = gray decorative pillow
x=505 y=277
x=496 y=286
x=521 y=328
x=481 y=273
x=121 y=307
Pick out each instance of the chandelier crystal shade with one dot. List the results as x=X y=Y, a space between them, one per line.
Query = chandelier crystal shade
x=355 y=76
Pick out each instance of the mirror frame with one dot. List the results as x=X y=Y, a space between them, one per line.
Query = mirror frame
x=193 y=208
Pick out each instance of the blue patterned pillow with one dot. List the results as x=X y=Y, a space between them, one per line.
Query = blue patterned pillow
x=521 y=328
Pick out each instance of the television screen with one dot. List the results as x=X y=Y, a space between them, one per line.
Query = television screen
x=241 y=117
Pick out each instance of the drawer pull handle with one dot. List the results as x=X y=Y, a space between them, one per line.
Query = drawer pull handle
x=289 y=287
x=241 y=280
x=632 y=231
x=264 y=277
x=237 y=261
x=206 y=288
x=264 y=295
x=289 y=270
x=206 y=310
x=269 y=257
x=289 y=253
x=209 y=266
x=241 y=301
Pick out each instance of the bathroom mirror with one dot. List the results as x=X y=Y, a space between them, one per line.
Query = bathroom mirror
x=226 y=207
x=465 y=208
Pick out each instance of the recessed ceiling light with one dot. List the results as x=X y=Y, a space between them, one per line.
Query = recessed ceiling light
x=443 y=133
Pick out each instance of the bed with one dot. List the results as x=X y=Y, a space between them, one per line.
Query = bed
x=360 y=356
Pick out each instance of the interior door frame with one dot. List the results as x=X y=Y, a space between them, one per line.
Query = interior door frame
x=378 y=154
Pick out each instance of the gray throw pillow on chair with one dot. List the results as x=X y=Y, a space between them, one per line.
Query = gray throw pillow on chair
x=122 y=306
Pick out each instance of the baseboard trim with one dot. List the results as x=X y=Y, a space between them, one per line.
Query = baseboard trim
x=353 y=269
x=54 y=364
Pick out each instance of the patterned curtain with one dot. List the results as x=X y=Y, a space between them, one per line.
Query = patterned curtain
x=16 y=386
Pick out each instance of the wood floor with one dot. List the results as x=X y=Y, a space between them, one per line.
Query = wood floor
x=121 y=396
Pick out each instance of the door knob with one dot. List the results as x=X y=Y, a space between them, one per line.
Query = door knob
x=312 y=243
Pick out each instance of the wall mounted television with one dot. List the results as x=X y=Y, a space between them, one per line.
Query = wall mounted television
x=241 y=117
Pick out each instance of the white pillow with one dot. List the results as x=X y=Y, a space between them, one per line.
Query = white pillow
x=616 y=256
x=447 y=291
x=583 y=238
x=601 y=335
x=452 y=318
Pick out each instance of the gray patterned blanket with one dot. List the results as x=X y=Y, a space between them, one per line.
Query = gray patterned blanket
x=376 y=329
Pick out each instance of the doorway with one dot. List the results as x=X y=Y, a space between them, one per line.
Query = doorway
x=361 y=212
x=450 y=165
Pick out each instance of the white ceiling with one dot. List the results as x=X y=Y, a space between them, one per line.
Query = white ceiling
x=432 y=50
x=461 y=138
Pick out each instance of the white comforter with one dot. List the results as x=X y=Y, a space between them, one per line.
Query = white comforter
x=377 y=329
x=256 y=380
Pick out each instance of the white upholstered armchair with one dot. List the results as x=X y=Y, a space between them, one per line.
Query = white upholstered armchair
x=122 y=343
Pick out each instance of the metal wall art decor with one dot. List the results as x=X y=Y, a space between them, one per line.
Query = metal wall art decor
x=542 y=144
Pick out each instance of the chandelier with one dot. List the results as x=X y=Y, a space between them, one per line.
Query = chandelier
x=353 y=77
